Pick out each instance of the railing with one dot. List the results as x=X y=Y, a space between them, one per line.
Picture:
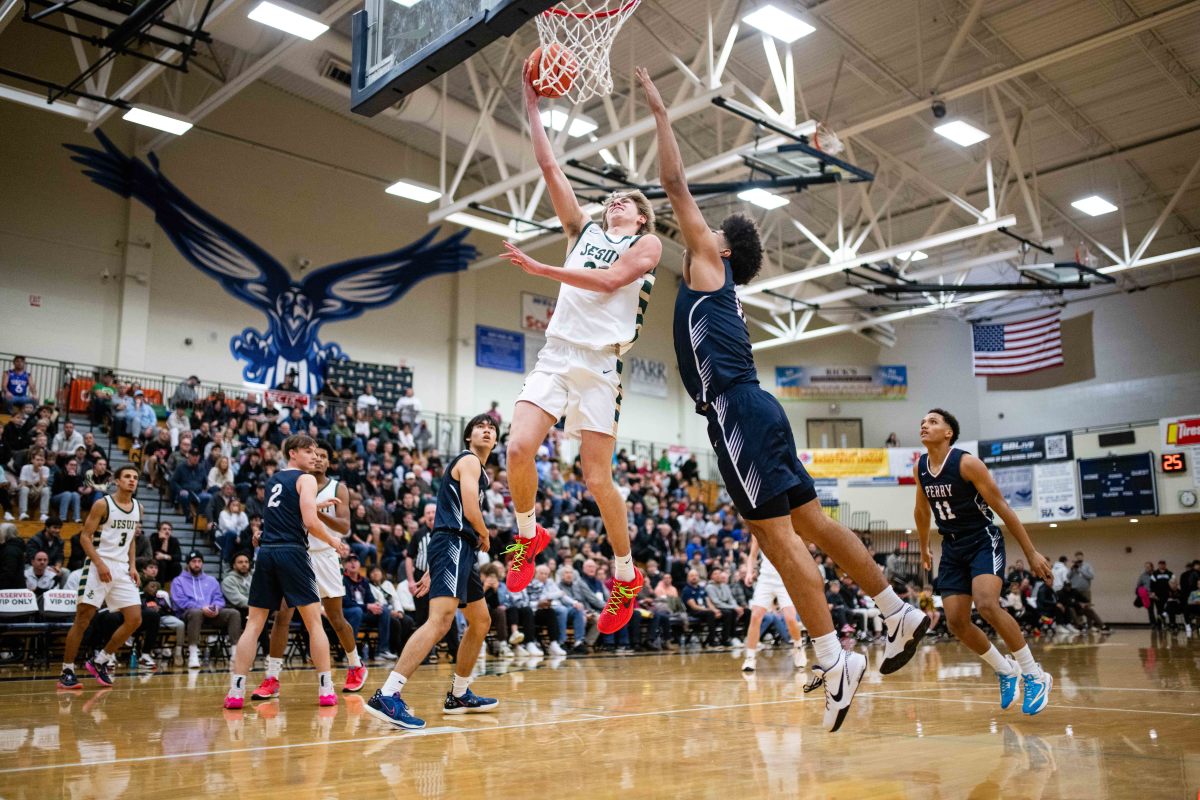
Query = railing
x=54 y=379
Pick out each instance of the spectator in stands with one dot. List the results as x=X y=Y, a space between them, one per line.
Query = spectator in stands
x=189 y=485
x=35 y=485
x=220 y=474
x=12 y=558
x=393 y=625
x=288 y=384
x=232 y=524
x=186 y=395
x=178 y=423
x=700 y=607
x=66 y=441
x=720 y=595
x=409 y=408
x=143 y=553
x=154 y=457
x=358 y=594
x=64 y=491
x=8 y=485
x=103 y=392
x=1160 y=591
x=17 y=385
x=97 y=482
x=322 y=418
x=140 y=419
x=1019 y=573
x=154 y=597
x=40 y=577
x=367 y=401
x=837 y=606
x=49 y=541
x=235 y=586
x=257 y=504
x=166 y=552
x=197 y=600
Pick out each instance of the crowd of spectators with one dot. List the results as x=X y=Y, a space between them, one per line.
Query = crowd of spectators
x=1168 y=597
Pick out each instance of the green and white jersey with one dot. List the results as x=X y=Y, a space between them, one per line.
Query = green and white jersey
x=111 y=539
x=600 y=320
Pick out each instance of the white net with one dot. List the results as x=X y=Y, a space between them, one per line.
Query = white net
x=827 y=141
x=587 y=29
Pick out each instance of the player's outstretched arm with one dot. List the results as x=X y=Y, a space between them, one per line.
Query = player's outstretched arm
x=566 y=207
x=977 y=473
x=706 y=272
x=635 y=262
x=922 y=515
x=339 y=520
x=467 y=472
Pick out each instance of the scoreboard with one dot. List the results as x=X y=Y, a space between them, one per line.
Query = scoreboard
x=1118 y=486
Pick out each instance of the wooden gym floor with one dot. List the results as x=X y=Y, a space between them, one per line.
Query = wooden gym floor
x=1124 y=721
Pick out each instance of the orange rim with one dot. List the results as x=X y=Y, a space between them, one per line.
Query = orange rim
x=559 y=12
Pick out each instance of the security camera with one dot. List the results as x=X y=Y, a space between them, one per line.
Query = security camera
x=938 y=108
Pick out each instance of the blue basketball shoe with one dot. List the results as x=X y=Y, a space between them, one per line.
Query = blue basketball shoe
x=469 y=703
x=392 y=710
x=1009 y=683
x=1037 y=691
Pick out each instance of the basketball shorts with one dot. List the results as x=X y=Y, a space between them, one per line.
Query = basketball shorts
x=327 y=568
x=453 y=569
x=283 y=573
x=578 y=383
x=756 y=453
x=120 y=592
x=965 y=557
x=770 y=590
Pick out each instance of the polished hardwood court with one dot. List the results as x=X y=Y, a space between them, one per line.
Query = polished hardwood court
x=1124 y=721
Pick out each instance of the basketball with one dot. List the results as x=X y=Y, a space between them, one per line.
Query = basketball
x=551 y=71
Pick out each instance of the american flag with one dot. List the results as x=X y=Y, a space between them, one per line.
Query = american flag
x=1025 y=346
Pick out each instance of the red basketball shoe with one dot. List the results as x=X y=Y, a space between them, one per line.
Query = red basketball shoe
x=355 y=678
x=621 y=602
x=267 y=690
x=523 y=551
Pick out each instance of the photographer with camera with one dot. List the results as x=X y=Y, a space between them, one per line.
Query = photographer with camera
x=1079 y=581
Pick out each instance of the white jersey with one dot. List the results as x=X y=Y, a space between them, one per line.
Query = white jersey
x=767 y=571
x=111 y=539
x=599 y=320
x=316 y=545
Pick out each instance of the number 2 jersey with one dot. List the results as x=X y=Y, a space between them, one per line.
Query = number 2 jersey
x=958 y=508
x=111 y=540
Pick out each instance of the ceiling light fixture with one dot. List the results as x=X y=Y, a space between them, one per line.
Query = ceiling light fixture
x=490 y=226
x=555 y=119
x=1094 y=206
x=961 y=133
x=763 y=199
x=159 y=120
x=287 y=20
x=413 y=191
x=778 y=23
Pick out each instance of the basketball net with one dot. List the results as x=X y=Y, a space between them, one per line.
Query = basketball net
x=587 y=28
x=826 y=140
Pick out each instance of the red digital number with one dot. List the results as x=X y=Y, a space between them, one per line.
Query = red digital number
x=1173 y=462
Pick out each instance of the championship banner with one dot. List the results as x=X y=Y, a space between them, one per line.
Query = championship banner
x=1056 y=495
x=644 y=376
x=536 y=311
x=885 y=382
x=1016 y=484
x=1179 y=433
x=1027 y=449
x=838 y=463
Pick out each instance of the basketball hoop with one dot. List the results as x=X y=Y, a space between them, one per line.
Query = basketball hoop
x=586 y=28
x=826 y=140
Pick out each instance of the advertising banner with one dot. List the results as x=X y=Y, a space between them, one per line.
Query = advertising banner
x=1056 y=493
x=883 y=382
x=838 y=463
x=643 y=376
x=536 y=311
x=1179 y=433
x=1016 y=484
x=496 y=348
x=1027 y=449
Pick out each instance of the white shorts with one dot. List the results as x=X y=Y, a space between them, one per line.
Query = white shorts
x=769 y=590
x=328 y=569
x=120 y=592
x=581 y=384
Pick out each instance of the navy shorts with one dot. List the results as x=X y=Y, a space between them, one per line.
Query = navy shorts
x=453 y=568
x=965 y=557
x=283 y=573
x=756 y=453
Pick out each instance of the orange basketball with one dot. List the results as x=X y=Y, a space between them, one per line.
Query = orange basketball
x=551 y=71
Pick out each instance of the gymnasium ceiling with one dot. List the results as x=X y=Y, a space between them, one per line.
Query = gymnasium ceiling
x=1120 y=120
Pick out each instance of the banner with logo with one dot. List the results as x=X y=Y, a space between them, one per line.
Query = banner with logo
x=1180 y=433
x=643 y=376
x=901 y=460
x=847 y=463
x=883 y=382
x=1016 y=484
x=496 y=348
x=536 y=311
x=1027 y=449
x=1056 y=491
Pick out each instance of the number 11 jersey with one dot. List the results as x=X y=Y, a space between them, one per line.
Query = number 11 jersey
x=958 y=508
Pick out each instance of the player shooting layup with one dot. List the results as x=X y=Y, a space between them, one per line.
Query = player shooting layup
x=606 y=283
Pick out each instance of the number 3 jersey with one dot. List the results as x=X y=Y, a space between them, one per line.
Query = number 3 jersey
x=112 y=538
x=958 y=508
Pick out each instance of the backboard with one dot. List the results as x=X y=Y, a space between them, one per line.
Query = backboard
x=401 y=45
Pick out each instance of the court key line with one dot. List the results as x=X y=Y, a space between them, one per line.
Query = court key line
x=399 y=735
x=894 y=696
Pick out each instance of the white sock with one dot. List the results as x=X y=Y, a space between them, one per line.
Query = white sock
x=828 y=649
x=996 y=661
x=526 y=524
x=460 y=685
x=274 y=667
x=68 y=667
x=193 y=650
x=237 y=685
x=624 y=567
x=888 y=602
x=1025 y=659
x=394 y=684
x=105 y=657
x=352 y=659
x=324 y=683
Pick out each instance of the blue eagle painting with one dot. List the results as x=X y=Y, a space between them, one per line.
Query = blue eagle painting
x=295 y=310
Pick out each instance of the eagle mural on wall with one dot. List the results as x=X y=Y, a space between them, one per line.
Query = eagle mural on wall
x=295 y=309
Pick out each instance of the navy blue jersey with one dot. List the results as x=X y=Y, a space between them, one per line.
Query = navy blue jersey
x=282 y=523
x=712 y=344
x=958 y=508
x=450 y=517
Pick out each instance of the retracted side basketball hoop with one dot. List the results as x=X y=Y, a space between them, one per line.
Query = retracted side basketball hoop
x=586 y=29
